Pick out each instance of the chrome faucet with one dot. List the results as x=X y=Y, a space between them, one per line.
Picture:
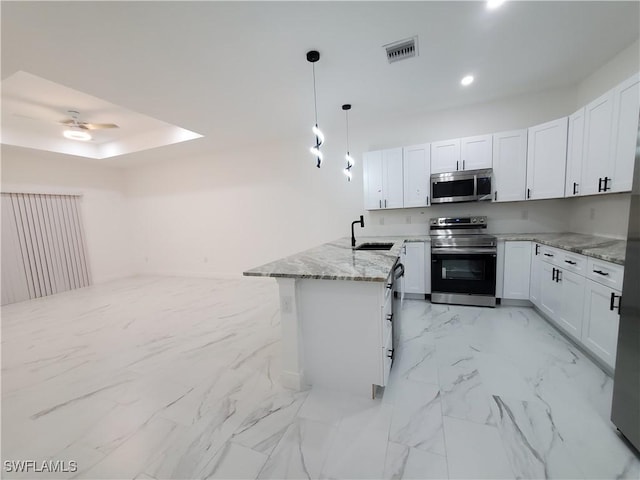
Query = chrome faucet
x=353 y=237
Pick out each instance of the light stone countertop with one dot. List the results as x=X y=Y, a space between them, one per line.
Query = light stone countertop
x=603 y=248
x=336 y=260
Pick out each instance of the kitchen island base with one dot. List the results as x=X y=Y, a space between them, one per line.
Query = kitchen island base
x=336 y=334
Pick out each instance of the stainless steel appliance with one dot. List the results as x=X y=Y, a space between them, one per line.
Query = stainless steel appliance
x=465 y=186
x=625 y=408
x=463 y=261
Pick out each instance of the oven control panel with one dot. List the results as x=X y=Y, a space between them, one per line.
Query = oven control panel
x=458 y=222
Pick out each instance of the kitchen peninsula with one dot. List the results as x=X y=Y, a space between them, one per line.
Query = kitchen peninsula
x=336 y=307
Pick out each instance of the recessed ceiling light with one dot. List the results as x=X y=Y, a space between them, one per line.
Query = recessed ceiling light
x=493 y=4
x=75 y=133
x=466 y=81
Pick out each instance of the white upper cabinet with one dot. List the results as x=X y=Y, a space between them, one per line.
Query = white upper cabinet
x=417 y=172
x=469 y=153
x=626 y=108
x=445 y=156
x=575 y=143
x=383 y=179
x=509 y=166
x=476 y=152
x=393 y=179
x=610 y=134
x=597 y=145
x=546 y=159
x=372 y=179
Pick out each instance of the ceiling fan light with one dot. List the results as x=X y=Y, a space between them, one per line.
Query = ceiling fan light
x=77 y=134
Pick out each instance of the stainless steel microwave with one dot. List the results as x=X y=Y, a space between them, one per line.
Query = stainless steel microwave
x=465 y=186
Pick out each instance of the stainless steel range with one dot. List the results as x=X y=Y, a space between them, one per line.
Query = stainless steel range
x=463 y=261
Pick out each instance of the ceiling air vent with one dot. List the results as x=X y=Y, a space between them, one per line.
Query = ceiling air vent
x=402 y=49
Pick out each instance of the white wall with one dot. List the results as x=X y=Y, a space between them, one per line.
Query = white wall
x=619 y=68
x=228 y=212
x=606 y=215
x=104 y=205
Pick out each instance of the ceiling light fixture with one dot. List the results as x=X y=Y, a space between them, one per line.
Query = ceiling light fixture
x=466 y=81
x=313 y=56
x=493 y=4
x=76 y=133
x=347 y=171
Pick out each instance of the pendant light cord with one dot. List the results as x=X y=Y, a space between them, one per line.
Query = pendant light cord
x=346 y=114
x=315 y=101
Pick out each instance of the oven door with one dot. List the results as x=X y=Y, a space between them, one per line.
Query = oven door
x=470 y=271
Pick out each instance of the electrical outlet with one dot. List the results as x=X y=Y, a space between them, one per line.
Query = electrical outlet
x=285 y=304
x=592 y=213
x=408 y=219
x=525 y=214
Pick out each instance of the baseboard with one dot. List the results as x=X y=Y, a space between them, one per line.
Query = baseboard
x=292 y=380
x=515 y=303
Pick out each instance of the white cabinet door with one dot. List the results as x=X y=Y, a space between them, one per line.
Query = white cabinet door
x=417 y=171
x=626 y=108
x=600 y=329
x=392 y=179
x=413 y=259
x=571 y=312
x=550 y=293
x=517 y=270
x=372 y=179
x=476 y=152
x=536 y=274
x=597 y=144
x=445 y=156
x=509 y=166
x=546 y=159
x=574 y=154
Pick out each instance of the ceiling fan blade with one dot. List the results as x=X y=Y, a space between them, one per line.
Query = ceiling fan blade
x=98 y=126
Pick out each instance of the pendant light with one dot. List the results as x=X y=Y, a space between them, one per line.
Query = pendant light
x=313 y=56
x=347 y=171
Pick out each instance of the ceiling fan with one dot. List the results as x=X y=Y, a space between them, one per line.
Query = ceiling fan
x=75 y=122
x=78 y=130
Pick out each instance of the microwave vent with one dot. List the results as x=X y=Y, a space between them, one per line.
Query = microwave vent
x=402 y=49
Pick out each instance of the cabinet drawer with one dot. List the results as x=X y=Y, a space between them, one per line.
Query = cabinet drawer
x=573 y=262
x=550 y=254
x=387 y=321
x=605 y=273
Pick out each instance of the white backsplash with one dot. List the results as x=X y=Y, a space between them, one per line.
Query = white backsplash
x=610 y=216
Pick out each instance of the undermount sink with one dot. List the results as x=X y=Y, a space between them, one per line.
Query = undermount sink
x=374 y=246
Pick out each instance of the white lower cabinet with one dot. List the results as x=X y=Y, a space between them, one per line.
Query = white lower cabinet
x=550 y=295
x=414 y=261
x=581 y=295
x=536 y=274
x=601 y=319
x=516 y=280
x=571 y=304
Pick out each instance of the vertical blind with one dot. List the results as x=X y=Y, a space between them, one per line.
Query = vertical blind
x=43 y=246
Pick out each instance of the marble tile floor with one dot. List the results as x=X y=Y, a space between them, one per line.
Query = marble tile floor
x=156 y=377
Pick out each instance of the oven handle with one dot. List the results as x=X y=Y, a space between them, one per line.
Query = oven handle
x=463 y=250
